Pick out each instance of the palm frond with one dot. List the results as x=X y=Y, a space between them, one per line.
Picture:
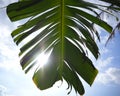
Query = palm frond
x=67 y=28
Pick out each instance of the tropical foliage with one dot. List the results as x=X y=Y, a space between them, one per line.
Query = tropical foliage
x=65 y=28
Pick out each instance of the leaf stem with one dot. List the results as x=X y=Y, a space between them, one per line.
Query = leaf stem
x=61 y=37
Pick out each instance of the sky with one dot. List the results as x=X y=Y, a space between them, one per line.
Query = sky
x=14 y=82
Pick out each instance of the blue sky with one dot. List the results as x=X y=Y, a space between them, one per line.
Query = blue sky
x=13 y=81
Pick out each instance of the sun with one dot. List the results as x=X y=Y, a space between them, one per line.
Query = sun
x=42 y=59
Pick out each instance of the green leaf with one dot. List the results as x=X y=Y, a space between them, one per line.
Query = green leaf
x=45 y=77
x=82 y=66
x=67 y=28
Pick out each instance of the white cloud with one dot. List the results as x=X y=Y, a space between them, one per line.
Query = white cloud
x=10 y=95
x=3 y=91
x=104 y=39
x=104 y=50
x=6 y=2
x=110 y=76
x=8 y=50
x=102 y=63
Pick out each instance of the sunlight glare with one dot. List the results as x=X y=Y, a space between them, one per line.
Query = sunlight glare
x=42 y=59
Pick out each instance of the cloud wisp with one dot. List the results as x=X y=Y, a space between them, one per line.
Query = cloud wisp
x=3 y=91
x=103 y=63
x=110 y=76
x=8 y=50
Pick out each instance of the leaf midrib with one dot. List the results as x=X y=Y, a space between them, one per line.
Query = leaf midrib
x=61 y=36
